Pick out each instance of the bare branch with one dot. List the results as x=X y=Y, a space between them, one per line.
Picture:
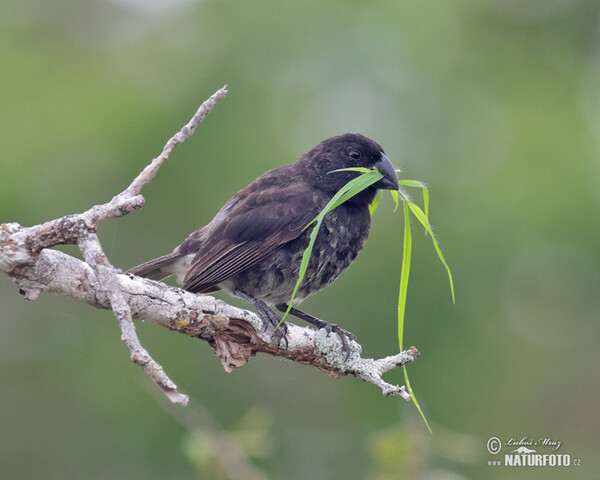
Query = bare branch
x=108 y=282
x=233 y=333
x=186 y=132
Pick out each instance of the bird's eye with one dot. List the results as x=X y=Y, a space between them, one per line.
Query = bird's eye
x=354 y=154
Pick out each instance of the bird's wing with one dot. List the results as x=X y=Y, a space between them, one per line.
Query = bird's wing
x=256 y=225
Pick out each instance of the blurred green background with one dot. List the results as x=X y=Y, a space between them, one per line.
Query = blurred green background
x=495 y=104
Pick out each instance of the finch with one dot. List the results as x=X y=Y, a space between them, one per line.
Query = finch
x=253 y=247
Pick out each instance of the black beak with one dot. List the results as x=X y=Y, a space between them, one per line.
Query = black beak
x=390 y=179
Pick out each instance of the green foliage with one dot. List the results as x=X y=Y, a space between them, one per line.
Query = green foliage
x=367 y=178
x=423 y=217
x=405 y=271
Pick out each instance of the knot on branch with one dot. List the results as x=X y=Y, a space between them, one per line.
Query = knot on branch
x=235 y=345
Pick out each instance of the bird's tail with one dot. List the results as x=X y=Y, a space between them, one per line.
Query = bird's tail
x=161 y=267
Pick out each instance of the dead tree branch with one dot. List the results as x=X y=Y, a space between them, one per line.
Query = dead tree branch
x=233 y=333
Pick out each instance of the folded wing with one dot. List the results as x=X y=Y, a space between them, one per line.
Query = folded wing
x=256 y=224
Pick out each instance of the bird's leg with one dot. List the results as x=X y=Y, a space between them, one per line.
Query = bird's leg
x=317 y=322
x=264 y=312
x=266 y=315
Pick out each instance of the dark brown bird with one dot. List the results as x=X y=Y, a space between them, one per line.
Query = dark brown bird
x=253 y=247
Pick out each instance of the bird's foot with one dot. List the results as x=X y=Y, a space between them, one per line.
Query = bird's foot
x=268 y=317
x=345 y=336
x=280 y=334
x=271 y=320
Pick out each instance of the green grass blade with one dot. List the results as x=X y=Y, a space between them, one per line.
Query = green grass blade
x=395 y=194
x=353 y=187
x=412 y=183
x=404 y=275
x=351 y=169
x=375 y=203
x=426 y=201
x=414 y=398
x=418 y=184
x=420 y=215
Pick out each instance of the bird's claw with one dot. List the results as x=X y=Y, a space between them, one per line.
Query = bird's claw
x=332 y=327
x=280 y=329
x=344 y=335
x=280 y=334
x=269 y=318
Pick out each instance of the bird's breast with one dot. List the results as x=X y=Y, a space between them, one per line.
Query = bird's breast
x=340 y=239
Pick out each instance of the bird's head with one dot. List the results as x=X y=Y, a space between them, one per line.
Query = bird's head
x=348 y=151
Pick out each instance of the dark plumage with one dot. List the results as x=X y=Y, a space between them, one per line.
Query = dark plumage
x=253 y=246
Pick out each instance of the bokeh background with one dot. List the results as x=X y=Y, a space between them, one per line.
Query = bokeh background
x=495 y=104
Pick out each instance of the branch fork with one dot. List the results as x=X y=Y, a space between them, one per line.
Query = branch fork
x=234 y=334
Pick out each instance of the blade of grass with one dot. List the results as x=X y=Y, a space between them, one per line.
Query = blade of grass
x=404 y=275
x=351 y=169
x=412 y=183
x=418 y=184
x=395 y=194
x=353 y=187
x=420 y=215
x=375 y=204
x=414 y=398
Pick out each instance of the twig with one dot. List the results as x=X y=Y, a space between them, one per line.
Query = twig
x=183 y=134
x=233 y=333
x=108 y=282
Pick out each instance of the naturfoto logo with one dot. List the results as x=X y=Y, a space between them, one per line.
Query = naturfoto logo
x=530 y=452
